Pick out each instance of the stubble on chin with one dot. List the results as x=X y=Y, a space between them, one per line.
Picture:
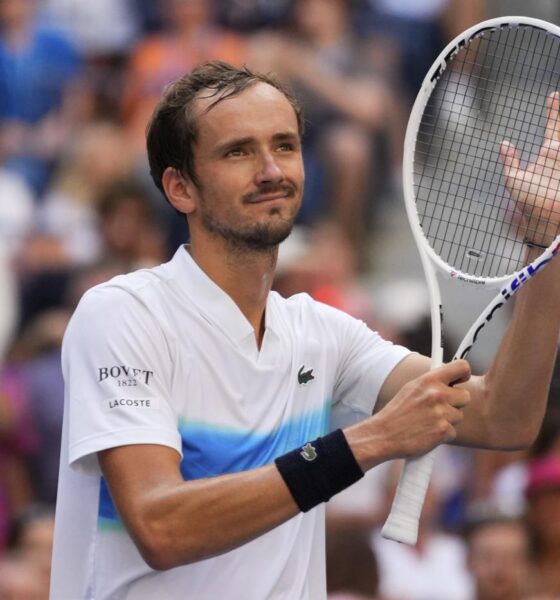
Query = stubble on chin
x=258 y=237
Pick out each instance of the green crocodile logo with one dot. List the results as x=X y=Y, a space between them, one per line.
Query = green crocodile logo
x=308 y=452
x=304 y=376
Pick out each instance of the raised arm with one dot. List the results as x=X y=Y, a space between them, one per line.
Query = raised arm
x=508 y=402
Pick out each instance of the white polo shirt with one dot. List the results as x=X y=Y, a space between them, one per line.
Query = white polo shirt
x=164 y=356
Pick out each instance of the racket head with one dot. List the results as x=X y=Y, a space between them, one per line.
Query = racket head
x=488 y=85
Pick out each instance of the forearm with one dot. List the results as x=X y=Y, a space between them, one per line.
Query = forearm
x=204 y=518
x=175 y=522
x=509 y=401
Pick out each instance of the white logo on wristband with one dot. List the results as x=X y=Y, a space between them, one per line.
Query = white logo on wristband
x=308 y=452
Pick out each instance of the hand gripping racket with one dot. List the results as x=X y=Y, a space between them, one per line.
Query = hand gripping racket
x=481 y=175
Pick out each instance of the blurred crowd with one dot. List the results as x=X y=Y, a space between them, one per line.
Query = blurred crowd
x=78 y=82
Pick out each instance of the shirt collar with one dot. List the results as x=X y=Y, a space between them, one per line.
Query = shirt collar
x=212 y=301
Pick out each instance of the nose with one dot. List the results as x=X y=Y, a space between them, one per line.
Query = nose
x=269 y=171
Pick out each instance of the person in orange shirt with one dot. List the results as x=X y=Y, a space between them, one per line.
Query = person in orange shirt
x=190 y=36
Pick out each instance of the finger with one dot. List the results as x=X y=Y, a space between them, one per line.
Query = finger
x=459 y=398
x=455 y=416
x=457 y=371
x=510 y=158
x=552 y=129
x=450 y=435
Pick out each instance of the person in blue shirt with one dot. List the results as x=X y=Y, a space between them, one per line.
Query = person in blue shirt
x=38 y=66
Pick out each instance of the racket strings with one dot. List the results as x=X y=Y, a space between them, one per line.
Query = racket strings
x=509 y=116
x=453 y=103
x=467 y=239
x=493 y=90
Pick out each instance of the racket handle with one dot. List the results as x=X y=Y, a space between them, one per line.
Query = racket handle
x=402 y=523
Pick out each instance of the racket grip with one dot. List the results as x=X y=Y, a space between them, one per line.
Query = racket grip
x=402 y=523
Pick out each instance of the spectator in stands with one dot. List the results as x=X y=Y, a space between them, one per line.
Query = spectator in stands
x=498 y=557
x=433 y=569
x=345 y=104
x=543 y=514
x=252 y=15
x=8 y=301
x=17 y=442
x=18 y=581
x=39 y=67
x=31 y=539
x=103 y=31
x=326 y=266
x=502 y=479
x=351 y=564
x=39 y=349
x=415 y=31
x=17 y=212
x=129 y=233
x=68 y=229
x=100 y=29
x=190 y=36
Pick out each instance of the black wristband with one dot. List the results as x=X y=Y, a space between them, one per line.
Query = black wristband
x=318 y=470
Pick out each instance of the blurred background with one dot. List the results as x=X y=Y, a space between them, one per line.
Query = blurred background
x=78 y=81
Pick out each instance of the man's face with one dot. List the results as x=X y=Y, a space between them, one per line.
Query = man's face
x=498 y=559
x=15 y=12
x=249 y=168
x=544 y=515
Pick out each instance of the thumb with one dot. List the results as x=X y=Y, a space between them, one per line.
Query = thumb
x=457 y=371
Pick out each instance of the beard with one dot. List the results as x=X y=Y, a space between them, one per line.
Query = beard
x=257 y=237
x=244 y=236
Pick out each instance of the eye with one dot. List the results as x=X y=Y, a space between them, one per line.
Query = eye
x=288 y=144
x=234 y=152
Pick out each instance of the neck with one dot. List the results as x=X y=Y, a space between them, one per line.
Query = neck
x=245 y=276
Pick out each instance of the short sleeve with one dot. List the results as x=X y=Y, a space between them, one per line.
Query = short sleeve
x=118 y=366
x=365 y=361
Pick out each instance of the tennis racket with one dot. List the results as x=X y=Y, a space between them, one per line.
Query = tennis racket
x=481 y=180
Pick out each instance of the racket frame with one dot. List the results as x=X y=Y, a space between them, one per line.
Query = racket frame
x=403 y=520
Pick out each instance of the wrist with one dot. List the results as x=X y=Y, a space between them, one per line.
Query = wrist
x=318 y=470
x=370 y=443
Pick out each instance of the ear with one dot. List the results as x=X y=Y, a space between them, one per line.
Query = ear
x=179 y=191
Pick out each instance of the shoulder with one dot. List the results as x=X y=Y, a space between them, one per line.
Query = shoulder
x=307 y=317
x=121 y=287
x=124 y=300
x=303 y=305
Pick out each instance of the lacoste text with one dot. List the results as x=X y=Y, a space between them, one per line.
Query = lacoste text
x=130 y=403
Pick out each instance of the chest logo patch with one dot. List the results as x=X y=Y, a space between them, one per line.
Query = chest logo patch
x=304 y=377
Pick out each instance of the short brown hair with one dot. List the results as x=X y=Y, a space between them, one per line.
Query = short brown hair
x=173 y=129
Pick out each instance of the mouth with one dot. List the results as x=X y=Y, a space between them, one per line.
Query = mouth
x=264 y=197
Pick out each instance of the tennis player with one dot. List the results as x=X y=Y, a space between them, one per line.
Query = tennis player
x=208 y=419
